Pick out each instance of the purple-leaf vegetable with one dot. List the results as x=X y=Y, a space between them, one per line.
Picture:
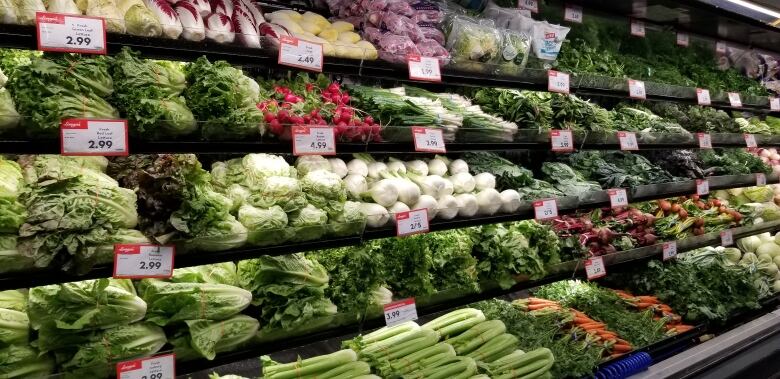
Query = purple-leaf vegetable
x=194 y=29
x=246 y=30
x=203 y=7
x=168 y=18
x=222 y=6
x=272 y=32
x=219 y=28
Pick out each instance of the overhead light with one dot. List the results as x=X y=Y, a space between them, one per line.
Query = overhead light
x=756 y=7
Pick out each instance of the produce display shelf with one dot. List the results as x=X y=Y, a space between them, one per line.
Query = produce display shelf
x=260 y=60
x=524 y=140
x=569 y=204
x=447 y=301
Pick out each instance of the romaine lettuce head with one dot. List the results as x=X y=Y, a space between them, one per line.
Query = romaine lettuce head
x=14 y=327
x=23 y=361
x=14 y=299
x=103 y=253
x=308 y=224
x=221 y=235
x=217 y=273
x=206 y=338
x=265 y=226
x=170 y=302
x=11 y=179
x=12 y=215
x=9 y=117
x=283 y=191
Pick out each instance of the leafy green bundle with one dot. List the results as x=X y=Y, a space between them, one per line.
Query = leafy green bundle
x=171 y=302
x=528 y=109
x=206 y=338
x=23 y=361
x=617 y=169
x=732 y=162
x=567 y=180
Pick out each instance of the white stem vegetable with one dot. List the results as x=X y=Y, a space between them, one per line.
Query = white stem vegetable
x=489 y=201
x=448 y=207
x=376 y=215
x=397 y=208
x=457 y=166
x=417 y=167
x=510 y=201
x=437 y=166
x=432 y=185
x=358 y=167
x=467 y=205
x=384 y=192
x=356 y=185
x=484 y=181
x=429 y=203
x=396 y=167
x=377 y=170
x=463 y=182
x=338 y=166
x=408 y=192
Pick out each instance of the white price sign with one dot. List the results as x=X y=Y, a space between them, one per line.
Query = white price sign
x=595 y=268
x=557 y=81
x=628 y=141
x=159 y=367
x=429 y=140
x=423 y=68
x=760 y=180
x=774 y=103
x=93 y=137
x=531 y=5
x=310 y=140
x=750 y=140
x=683 y=39
x=573 y=13
x=545 y=209
x=70 y=34
x=300 y=53
x=705 y=140
x=617 y=197
x=400 y=311
x=670 y=250
x=562 y=140
x=143 y=261
x=411 y=222
x=735 y=100
x=703 y=96
x=726 y=238
x=702 y=187
x=636 y=89
x=720 y=47
x=637 y=28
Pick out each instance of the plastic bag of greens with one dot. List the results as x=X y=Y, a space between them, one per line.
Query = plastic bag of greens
x=514 y=52
x=503 y=16
x=473 y=41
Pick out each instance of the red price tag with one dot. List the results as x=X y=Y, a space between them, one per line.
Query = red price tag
x=637 y=28
x=400 y=311
x=70 y=34
x=310 y=140
x=703 y=96
x=705 y=141
x=735 y=100
x=750 y=140
x=557 y=81
x=159 y=367
x=412 y=222
x=423 y=68
x=720 y=47
x=726 y=238
x=617 y=197
x=562 y=140
x=429 y=140
x=85 y=137
x=670 y=250
x=295 y=52
x=143 y=261
x=573 y=13
x=545 y=209
x=531 y=5
x=760 y=180
x=627 y=141
x=683 y=39
x=774 y=104
x=702 y=187
x=636 y=89
x=595 y=268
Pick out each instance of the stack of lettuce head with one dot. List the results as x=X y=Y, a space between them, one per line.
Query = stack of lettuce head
x=9 y=117
x=17 y=358
x=12 y=215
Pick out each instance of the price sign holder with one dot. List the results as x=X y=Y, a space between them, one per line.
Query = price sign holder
x=423 y=68
x=669 y=250
x=91 y=137
x=636 y=89
x=411 y=222
x=702 y=187
x=400 y=311
x=720 y=47
x=562 y=140
x=760 y=180
x=750 y=140
x=313 y=140
x=545 y=209
x=617 y=197
x=557 y=81
x=573 y=13
x=735 y=100
x=143 y=261
x=726 y=237
x=428 y=140
x=70 y=34
x=159 y=367
x=594 y=268
x=628 y=141
x=531 y=5
x=637 y=28
x=295 y=52
x=774 y=104
x=683 y=39
x=705 y=140
x=703 y=96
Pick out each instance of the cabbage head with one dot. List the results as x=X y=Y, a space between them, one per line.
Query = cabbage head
x=351 y=221
x=238 y=195
x=308 y=163
x=749 y=244
x=761 y=194
x=139 y=20
x=325 y=190
x=265 y=226
x=283 y=191
x=220 y=235
x=309 y=223
x=251 y=171
x=770 y=212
